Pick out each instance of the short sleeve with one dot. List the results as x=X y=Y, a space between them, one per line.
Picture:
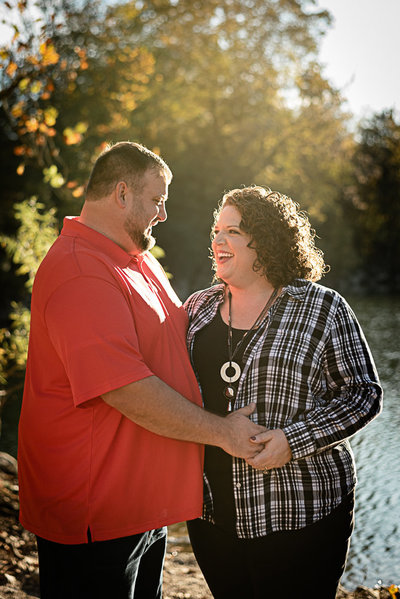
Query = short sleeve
x=91 y=325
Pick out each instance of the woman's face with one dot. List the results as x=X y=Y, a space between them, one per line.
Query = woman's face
x=234 y=259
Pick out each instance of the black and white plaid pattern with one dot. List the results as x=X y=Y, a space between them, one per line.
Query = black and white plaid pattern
x=310 y=371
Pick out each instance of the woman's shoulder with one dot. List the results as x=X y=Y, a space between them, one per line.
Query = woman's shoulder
x=204 y=296
x=302 y=288
x=318 y=297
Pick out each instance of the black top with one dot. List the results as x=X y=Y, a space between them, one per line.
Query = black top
x=210 y=352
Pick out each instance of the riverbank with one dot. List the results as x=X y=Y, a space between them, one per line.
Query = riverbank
x=19 y=577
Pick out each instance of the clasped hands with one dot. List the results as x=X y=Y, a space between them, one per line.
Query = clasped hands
x=275 y=451
x=263 y=449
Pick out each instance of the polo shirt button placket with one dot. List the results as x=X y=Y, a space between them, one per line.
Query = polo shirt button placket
x=149 y=282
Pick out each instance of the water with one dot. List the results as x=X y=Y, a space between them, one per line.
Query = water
x=375 y=547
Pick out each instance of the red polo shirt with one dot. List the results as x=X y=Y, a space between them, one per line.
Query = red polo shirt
x=102 y=319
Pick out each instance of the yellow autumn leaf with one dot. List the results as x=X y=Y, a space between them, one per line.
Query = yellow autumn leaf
x=71 y=137
x=19 y=150
x=36 y=87
x=78 y=192
x=53 y=177
x=23 y=84
x=81 y=127
x=10 y=70
x=31 y=125
x=393 y=590
x=18 y=109
x=32 y=60
x=49 y=54
x=50 y=116
x=21 y=169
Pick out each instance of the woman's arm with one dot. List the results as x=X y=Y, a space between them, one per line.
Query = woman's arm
x=354 y=397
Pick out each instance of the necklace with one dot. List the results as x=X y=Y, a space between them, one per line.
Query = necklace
x=230 y=371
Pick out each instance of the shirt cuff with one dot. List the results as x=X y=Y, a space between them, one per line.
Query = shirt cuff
x=301 y=441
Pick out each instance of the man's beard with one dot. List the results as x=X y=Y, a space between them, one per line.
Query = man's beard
x=143 y=240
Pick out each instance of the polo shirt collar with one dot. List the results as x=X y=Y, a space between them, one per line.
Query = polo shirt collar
x=73 y=228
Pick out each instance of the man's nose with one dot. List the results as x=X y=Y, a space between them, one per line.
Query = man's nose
x=162 y=213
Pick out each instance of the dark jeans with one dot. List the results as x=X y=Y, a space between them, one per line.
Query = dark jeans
x=125 y=568
x=305 y=563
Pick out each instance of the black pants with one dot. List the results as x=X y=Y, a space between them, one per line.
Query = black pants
x=125 y=568
x=305 y=563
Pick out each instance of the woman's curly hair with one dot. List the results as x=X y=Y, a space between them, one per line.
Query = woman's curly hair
x=280 y=233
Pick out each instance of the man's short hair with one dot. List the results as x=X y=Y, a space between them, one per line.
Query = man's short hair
x=124 y=161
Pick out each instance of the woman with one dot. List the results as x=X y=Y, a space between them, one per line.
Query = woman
x=278 y=525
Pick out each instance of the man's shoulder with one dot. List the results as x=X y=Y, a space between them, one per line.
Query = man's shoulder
x=67 y=260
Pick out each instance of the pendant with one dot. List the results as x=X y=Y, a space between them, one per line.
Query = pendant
x=229 y=392
x=230 y=377
x=230 y=373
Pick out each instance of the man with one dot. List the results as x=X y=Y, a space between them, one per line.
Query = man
x=111 y=416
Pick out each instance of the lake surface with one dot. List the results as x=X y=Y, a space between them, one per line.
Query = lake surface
x=375 y=548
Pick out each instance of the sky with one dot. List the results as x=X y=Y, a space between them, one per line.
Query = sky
x=361 y=53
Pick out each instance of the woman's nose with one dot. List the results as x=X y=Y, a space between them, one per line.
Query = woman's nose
x=218 y=237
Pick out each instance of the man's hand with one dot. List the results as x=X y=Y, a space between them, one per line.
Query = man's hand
x=238 y=430
x=154 y=405
x=276 y=452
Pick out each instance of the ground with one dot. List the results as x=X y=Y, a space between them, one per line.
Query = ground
x=19 y=577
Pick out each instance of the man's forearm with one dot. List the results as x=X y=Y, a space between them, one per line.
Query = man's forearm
x=154 y=405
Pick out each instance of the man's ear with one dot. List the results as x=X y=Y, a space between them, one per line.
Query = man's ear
x=121 y=189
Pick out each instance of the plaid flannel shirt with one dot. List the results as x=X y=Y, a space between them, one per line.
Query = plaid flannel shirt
x=309 y=370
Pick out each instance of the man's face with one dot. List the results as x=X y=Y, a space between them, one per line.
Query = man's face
x=147 y=208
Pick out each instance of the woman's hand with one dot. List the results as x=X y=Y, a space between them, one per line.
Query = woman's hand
x=276 y=452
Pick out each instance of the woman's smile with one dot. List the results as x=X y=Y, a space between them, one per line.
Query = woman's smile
x=233 y=257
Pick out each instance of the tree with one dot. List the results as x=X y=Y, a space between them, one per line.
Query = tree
x=376 y=201
x=66 y=79
x=236 y=97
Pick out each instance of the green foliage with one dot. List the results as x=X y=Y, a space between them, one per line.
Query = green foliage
x=36 y=233
x=14 y=342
